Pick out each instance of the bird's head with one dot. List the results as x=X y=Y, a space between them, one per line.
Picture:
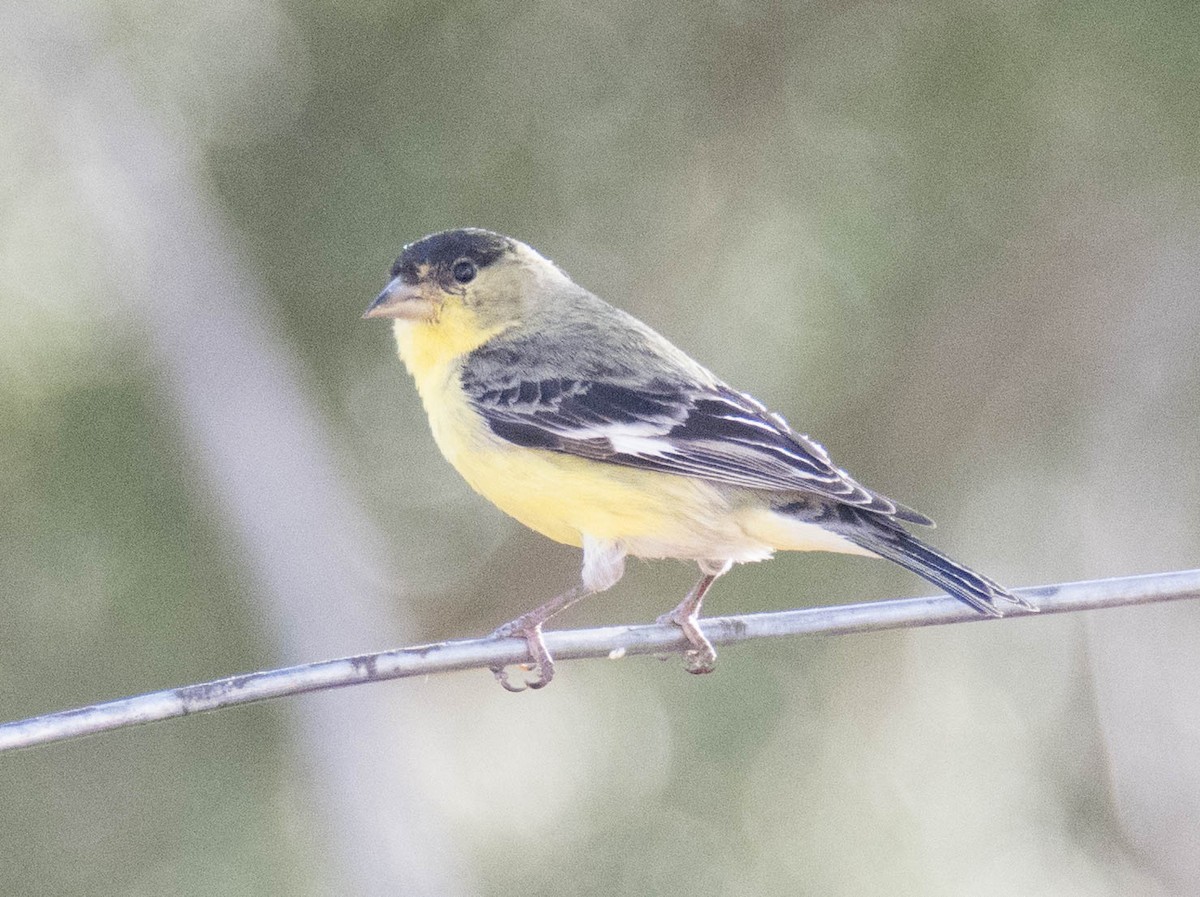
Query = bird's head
x=471 y=271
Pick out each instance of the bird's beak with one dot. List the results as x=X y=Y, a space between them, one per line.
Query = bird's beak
x=401 y=300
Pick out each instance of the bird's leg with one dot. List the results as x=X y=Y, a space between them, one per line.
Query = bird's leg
x=702 y=658
x=529 y=627
x=603 y=565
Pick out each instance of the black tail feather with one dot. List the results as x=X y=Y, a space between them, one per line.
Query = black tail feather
x=884 y=537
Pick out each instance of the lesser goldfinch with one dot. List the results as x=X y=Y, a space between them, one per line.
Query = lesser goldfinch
x=589 y=427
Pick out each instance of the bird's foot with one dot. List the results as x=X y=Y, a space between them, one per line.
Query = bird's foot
x=530 y=630
x=702 y=656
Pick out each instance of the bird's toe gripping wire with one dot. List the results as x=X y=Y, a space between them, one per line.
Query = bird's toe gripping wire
x=529 y=627
x=543 y=663
x=702 y=656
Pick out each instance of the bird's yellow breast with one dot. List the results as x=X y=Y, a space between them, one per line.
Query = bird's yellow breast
x=561 y=496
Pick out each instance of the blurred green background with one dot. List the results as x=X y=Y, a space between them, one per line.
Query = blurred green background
x=956 y=241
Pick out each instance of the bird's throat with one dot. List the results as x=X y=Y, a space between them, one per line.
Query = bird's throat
x=429 y=348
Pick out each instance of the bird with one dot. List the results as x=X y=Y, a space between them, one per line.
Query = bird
x=589 y=427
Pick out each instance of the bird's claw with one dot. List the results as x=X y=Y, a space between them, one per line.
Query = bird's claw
x=702 y=656
x=700 y=661
x=543 y=663
x=541 y=681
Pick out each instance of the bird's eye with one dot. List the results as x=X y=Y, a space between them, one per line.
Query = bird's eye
x=464 y=270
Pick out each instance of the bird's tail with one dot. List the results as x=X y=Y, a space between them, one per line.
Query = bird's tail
x=885 y=537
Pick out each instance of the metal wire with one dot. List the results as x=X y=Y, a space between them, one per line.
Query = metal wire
x=610 y=642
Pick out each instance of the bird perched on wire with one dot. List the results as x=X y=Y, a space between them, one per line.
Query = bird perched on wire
x=589 y=427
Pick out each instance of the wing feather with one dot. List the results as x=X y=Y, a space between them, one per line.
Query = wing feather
x=702 y=430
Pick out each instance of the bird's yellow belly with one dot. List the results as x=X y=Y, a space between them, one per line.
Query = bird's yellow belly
x=563 y=497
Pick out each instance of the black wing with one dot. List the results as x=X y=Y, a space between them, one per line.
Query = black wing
x=706 y=431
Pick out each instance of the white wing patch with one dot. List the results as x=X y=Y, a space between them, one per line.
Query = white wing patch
x=629 y=444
